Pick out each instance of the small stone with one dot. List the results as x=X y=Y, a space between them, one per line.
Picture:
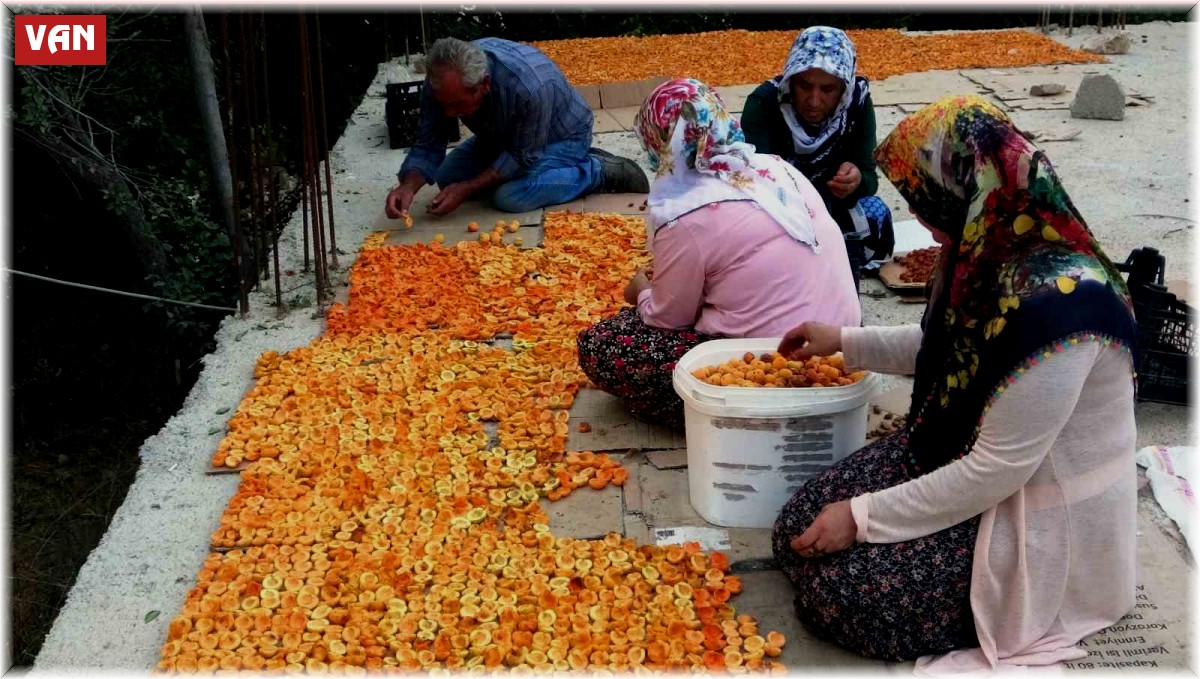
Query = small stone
x=1117 y=43
x=1099 y=97
x=1047 y=89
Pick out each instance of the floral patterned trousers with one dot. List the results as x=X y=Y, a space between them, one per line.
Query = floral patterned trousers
x=886 y=601
x=634 y=362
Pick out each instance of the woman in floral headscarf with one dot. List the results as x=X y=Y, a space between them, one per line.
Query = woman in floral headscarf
x=819 y=117
x=1001 y=522
x=742 y=245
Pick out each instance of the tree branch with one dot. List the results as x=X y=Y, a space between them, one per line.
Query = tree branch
x=69 y=106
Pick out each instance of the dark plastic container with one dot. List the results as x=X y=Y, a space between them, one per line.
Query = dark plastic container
x=1166 y=330
x=402 y=113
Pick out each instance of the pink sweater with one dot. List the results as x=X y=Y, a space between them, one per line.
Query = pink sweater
x=1052 y=476
x=729 y=269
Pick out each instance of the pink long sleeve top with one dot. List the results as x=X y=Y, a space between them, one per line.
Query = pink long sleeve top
x=1052 y=475
x=729 y=269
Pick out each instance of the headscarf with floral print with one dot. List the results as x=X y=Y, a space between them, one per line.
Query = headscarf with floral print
x=1024 y=277
x=830 y=50
x=700 y=157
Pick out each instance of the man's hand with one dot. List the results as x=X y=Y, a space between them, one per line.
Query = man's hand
x=845 y=181
x=639 y=282
x=399 y=200
x=449 y=199
x=832 y=531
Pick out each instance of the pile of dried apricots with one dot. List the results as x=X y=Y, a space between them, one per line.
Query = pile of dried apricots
x=387 y=517
x=918 y=264
x=774 y=370
x=761 y=54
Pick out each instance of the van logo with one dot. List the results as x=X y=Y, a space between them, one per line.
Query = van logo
x=61 y=40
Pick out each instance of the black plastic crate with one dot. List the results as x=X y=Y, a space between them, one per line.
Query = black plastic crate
x=1166 y=330
x=403 y=112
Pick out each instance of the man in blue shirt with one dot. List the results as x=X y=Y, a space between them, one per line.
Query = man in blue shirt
x=533 y=133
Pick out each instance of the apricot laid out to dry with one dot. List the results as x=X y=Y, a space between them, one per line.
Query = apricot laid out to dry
x=918 y=264
x=390 y=519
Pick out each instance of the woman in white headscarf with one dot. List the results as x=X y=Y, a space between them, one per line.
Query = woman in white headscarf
x=818 y=116
x=742 y=246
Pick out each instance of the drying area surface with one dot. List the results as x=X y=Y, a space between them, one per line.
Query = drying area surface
x=1130 y=180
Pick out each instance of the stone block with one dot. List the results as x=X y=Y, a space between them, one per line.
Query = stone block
x=1100 y=97
x=1117 y=43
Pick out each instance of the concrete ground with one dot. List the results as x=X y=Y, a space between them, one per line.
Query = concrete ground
x=1130 y=179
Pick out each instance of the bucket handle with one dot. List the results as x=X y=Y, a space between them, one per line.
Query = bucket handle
x=707 y=400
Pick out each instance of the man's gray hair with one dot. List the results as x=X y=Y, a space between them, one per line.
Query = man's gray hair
x=452 y=54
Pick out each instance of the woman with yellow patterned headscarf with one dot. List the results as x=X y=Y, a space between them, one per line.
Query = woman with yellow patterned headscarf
x=998 y=528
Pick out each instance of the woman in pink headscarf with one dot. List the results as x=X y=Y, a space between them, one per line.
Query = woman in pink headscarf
x=743 y=247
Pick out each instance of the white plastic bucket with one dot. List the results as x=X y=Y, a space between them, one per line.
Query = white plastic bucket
x=750 y=450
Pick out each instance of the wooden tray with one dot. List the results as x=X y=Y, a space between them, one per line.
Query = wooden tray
x=889 y=275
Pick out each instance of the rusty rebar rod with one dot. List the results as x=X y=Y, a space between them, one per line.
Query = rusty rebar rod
x=275 y=246
x=310 y=133
x=309 y=172
x=272 y=176
x=304 y=216
x=333 y=252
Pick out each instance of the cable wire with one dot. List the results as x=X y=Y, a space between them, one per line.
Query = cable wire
x=120 y=292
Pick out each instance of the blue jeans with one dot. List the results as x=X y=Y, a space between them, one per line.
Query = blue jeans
x=563 y=173
x=867 y=242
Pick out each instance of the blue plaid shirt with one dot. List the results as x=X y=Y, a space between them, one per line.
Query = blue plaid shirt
x=530 y=106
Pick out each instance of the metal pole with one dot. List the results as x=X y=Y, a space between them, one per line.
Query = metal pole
x=251 y=148
x=239 y=256
x=424 y=36
x=257 y=26
x=267 y=137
